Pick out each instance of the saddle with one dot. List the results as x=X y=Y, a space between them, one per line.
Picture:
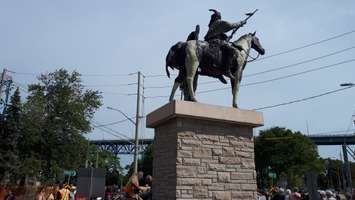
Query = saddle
x=213 y=54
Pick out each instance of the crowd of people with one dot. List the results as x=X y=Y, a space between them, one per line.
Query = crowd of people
x=279 y=193
x=52 y=192
x=138 y=187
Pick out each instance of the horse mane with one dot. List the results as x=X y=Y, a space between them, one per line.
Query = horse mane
x=242 y=37
x=237 y=42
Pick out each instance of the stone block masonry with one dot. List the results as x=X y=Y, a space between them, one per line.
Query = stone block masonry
x=200 y=152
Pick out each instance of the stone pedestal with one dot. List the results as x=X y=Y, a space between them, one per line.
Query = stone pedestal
x=203 y=152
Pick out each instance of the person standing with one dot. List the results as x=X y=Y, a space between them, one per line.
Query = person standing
x=50 y=193
x=41 y=194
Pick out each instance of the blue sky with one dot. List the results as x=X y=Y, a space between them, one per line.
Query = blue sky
x=120 y=37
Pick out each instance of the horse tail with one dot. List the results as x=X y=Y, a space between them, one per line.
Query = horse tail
x=167 y=70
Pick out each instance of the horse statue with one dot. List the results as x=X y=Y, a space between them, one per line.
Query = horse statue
x=191 y=59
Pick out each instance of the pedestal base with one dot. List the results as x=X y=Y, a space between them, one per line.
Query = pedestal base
x=203 y=152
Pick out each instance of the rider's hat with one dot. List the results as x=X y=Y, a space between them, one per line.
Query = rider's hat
x=216 y=15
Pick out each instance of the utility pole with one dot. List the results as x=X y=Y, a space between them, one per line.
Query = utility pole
x=347 y=172
x=2 y=82
x=137 y=123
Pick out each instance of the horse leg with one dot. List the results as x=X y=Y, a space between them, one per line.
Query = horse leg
x=175 y=87
x=187 y=97
x=195 y=82
x=234 y=92
x=235 y=86
x=178 y=80
x=191 y=63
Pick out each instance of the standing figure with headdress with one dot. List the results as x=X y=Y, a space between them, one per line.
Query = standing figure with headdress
x=216 y=35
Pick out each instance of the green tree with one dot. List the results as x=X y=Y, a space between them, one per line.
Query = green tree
x=145 y=164
x=57 y=114
x=9 y=137
x=288 y=154
x=108 y=161
x=332 y=175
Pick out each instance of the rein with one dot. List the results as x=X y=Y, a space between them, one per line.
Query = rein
x=248 y=53
x=253 y=59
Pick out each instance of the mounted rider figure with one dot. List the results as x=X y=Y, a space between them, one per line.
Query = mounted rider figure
x=216 y=36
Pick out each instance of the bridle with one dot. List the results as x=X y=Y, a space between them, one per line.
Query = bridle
x=252 y=58
x=248 y=56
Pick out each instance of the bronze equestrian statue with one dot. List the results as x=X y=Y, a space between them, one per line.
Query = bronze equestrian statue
x=215 y=57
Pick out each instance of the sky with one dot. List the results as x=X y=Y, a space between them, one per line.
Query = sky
x=108 y=40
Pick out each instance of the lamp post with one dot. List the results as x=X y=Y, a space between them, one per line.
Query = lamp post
x=136 y=124
x=347 y=85
x=347 y=173
x=124 y=114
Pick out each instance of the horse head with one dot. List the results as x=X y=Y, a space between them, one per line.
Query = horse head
x=255 y=43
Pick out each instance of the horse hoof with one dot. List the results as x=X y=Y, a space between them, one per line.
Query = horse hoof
x=235 y=106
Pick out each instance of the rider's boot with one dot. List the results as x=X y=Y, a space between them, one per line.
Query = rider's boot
x=228 y=65
x=227 y=53
x=221 y=78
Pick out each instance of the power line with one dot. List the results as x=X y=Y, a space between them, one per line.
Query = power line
x=303 y=99
x=269 y=80
x=299 y=63
x=283 y=77
x=116 y=93
x=110 y=85
x=111 y=131
x=84 y=74
x=108 y=75
x=112 y=123
x=307 y=45
x=270 y=70
x=287 y=51
x=300 y=73
x=169 y=86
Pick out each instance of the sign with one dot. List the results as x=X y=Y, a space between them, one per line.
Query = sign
x=272 y=175
x=69 y=172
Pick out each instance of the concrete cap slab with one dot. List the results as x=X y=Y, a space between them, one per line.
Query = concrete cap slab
x=202 y=111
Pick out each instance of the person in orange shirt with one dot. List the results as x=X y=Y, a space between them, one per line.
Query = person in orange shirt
x=64 y=192
x=132 y=188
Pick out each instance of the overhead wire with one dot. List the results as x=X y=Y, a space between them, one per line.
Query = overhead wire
x=301 y=62
x=303 y=99
x=262 y=58
x=268 y=80
x=273 y=69
x=292 y=49
x=307 y=45
x=113 y=123
x=111 y=131
x=84 y=74
x=110 y=85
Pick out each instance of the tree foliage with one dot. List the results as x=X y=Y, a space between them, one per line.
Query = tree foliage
x=288 y=154
x=145 y=164
x=58 y=112
x=47 y=131
x=9 y=137
x=108 y=161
